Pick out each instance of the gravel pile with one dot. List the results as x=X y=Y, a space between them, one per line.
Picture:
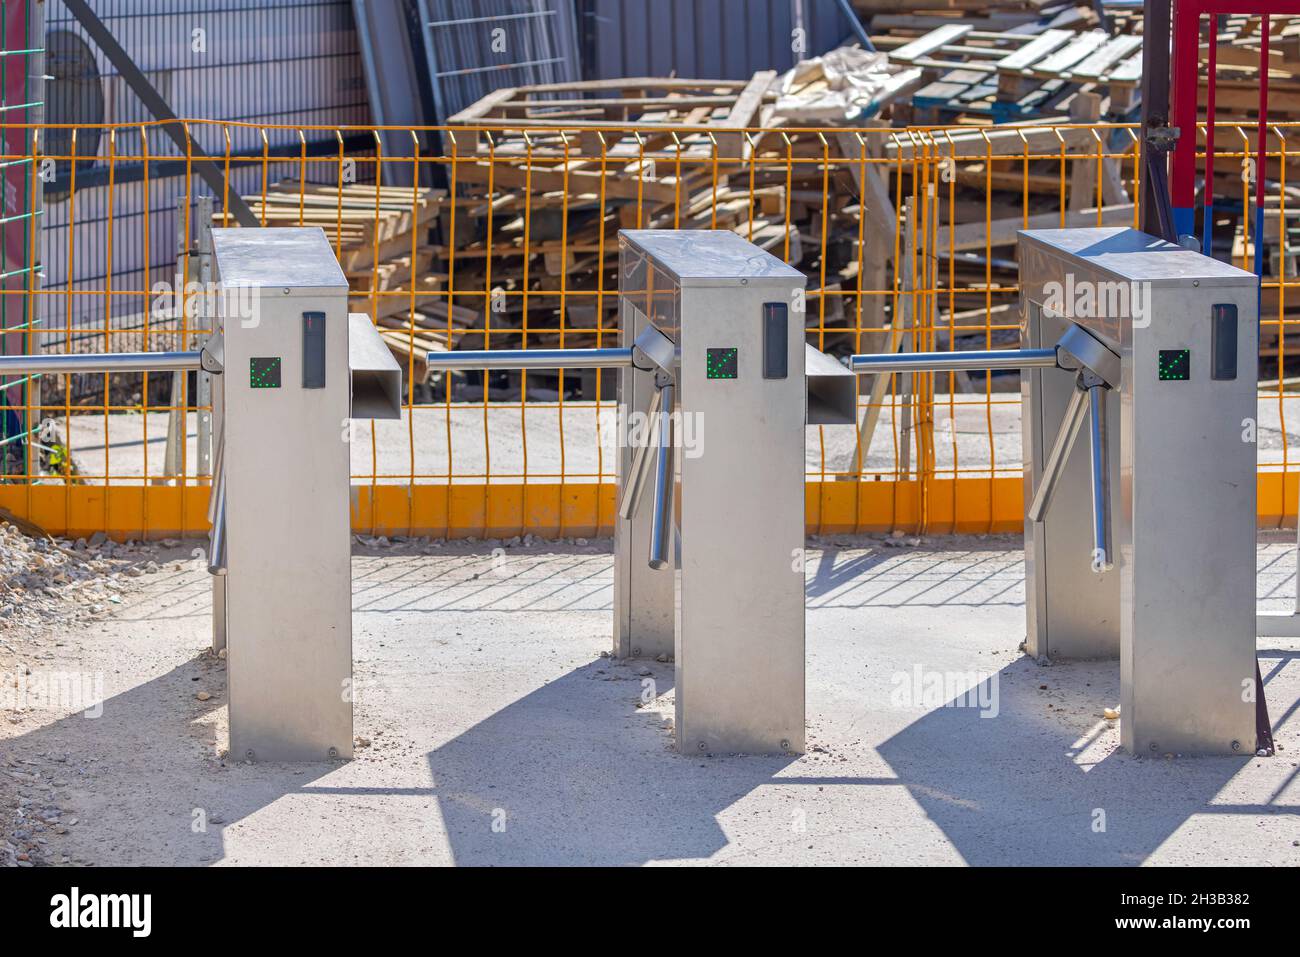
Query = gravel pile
x=47 y=584
x=47 y=581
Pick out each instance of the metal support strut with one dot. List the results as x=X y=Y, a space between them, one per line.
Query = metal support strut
x=661 y=523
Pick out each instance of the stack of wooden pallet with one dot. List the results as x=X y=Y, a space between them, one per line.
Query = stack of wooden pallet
x=547 y=175
x=664 y=110
x=1031 y=62
x=1005 y=76
x=382 y=236
x=541 y=200
x=544 y=177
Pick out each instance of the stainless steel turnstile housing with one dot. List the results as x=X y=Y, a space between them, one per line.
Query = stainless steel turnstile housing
x=732 y=611
x=716 y=384
x=1178 y=607
x=285 y=402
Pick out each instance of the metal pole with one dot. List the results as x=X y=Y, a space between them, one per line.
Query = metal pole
x=177 y=424
x=856 y=25
x=217 y=560
x=661 y=522
x=955 y=361
x=101 y=362
x=1055 y=464
x=1101 y=560
x=1155 y=208
x=203 y=381
x=532 y=359
x=635 y=485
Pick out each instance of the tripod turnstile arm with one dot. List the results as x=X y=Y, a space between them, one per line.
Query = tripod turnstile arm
x=630 y=503
x=661 y=522
x=1075 y=413
x=217 y=539
x=1088 y=400
x=1097 y=368
x=217 y=509
x=652 y=349
x=651 y=352
x=1101 y=557
x=954 y=361
x=659 y=417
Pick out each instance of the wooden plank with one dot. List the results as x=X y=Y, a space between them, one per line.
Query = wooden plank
x=975 y=66
x=995 y=142
x=1116 y=49
x=483 y=107
x=742 y=112
x=901 y=84
x=679 y=102
x=544 y=180
x=633 y=83
x=995 y=21
x=930 y=42
x=947 y=88
x=644 y=121
x=1059 y=63
x=1034 y=50
x=1248 y=58
x=1130 y=71
x=466 y=141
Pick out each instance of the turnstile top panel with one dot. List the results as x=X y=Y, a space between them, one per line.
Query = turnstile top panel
x=1124 y=253
x=296 y=258
x=706 y=257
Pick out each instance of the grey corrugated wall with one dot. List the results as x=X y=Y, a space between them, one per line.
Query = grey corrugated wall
x=278 y=61
x=726 y=39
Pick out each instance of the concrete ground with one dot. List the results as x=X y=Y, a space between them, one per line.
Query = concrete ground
x=498 y=734
x=966 y=424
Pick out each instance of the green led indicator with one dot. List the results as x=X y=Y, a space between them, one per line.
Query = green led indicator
x=722 y=363
x=1175 y=365
x=264 y=372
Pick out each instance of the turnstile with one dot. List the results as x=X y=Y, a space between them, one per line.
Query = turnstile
x=1148 y=343
x=297 y=368
x=714 y=397
x=292 y=368
x=1154 y=346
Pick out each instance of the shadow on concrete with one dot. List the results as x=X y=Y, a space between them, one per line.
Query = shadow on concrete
x=832 y=574
x=516 y=581
x=573 y=774
x=917 y=577
x=135 y=776
x=1035 y=785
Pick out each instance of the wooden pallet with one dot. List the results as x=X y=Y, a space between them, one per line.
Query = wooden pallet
x=1009 y=76
x=709 y=108
x=365 y=224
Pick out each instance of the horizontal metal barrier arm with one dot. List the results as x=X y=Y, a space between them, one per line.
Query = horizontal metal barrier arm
x=954 y=361
x=91 y=362
x=532 y=359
